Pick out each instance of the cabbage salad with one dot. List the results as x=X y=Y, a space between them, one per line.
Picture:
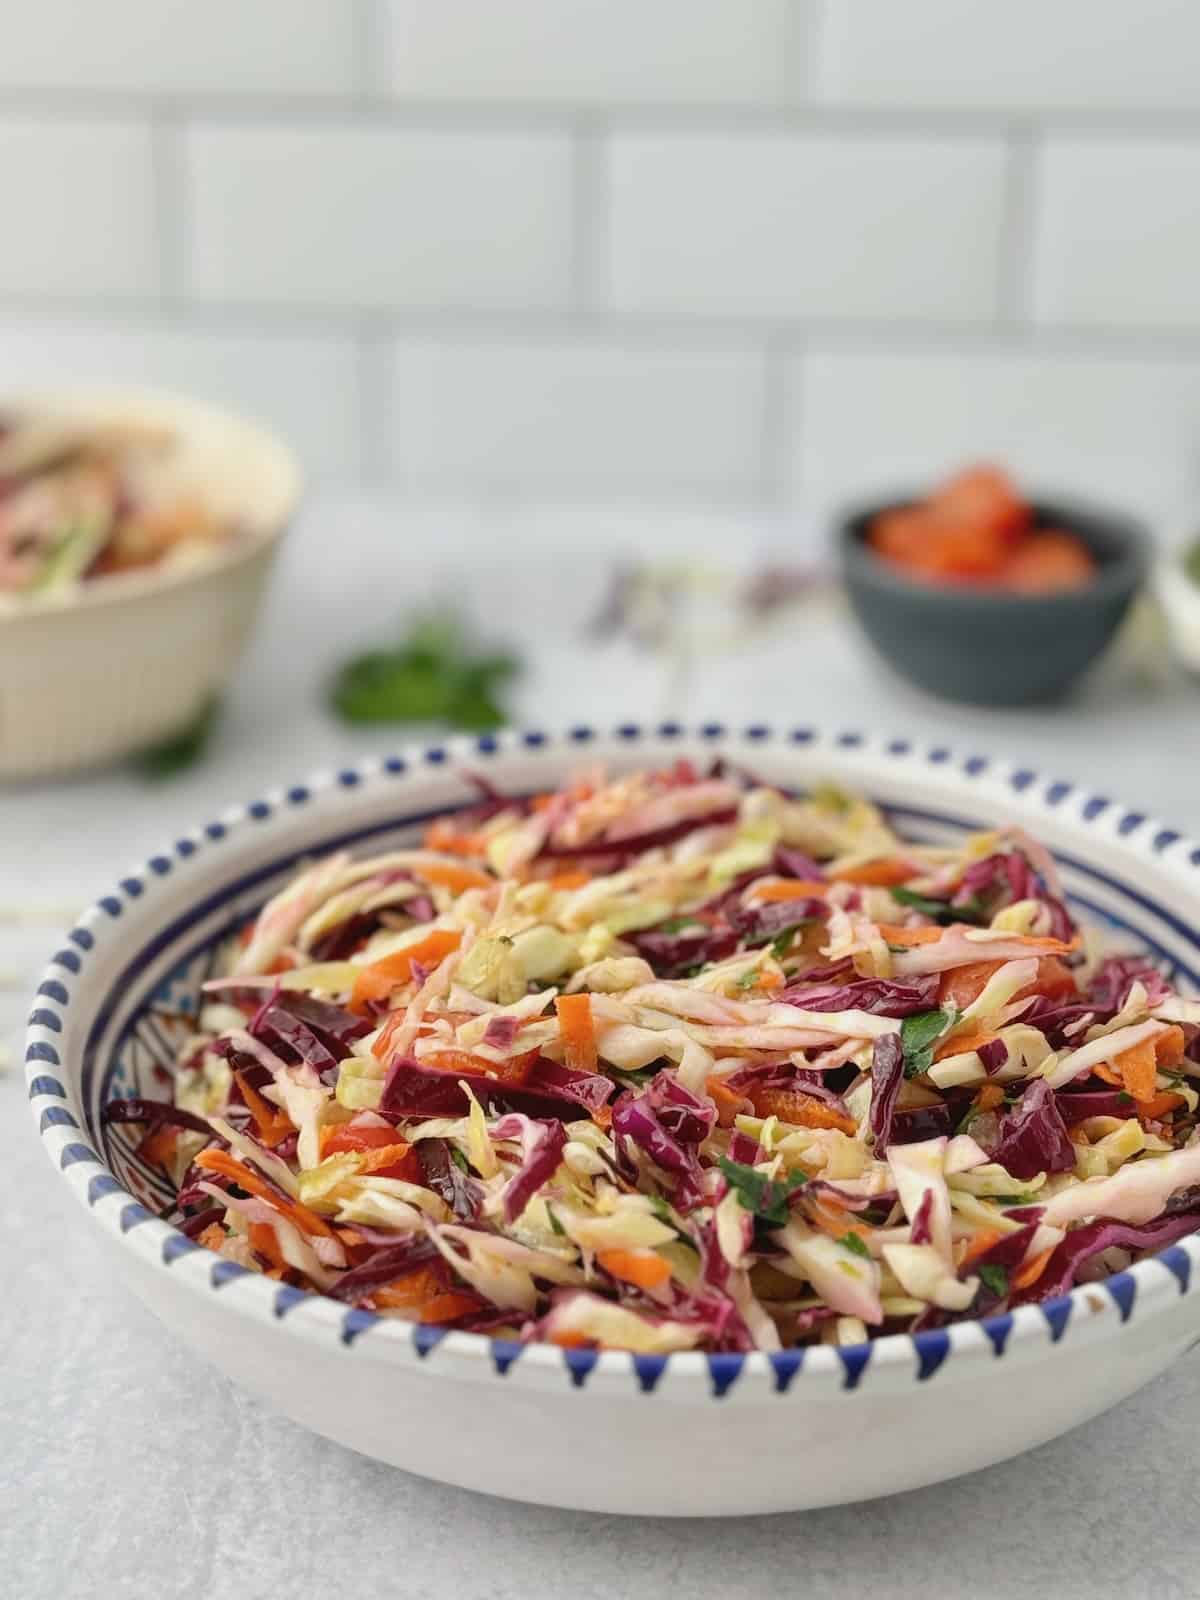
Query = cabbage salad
x=675 y=1061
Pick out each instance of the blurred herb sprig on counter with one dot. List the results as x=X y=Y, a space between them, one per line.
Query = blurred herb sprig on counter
x=432 y=675
x=181 y=749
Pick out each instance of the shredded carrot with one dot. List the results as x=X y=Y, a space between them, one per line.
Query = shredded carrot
x=602 y=1117
x=413 y=1289
x=989 y=1097
x=802 y=1110
x=400 y=1156
x=772 y=889
x=1159 y=1105
x=1109 y=1074
x=1032 y=1270
x=245 y=1177
x=893 y=933
x=640 y=1267
x=265 y=1240
x=1139 y=1069
x=728 y=1102
x=448 y=1307
x=272 y=1123
x=980 y=1244
x=882 y=874
x=961 y=986
x=457 y=878
x=158 y=1147
x=768 y=980
x=1169 y=1046
x=960 y=1044
x=570 y=880
x=212 y=1238
x=443 y=837
x=514 y=1070
x=568 y=1339
x=578 y=1031
x=377 y=981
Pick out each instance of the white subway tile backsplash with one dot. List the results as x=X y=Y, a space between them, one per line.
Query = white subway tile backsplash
x=1023 y=54
x=79 y=208
x=795 y=225
x=577 y=414
x=651 y=51
x=1100 y=427
x=1118 y=232
x=172 y=46
x=305 y=387
x=376 y=216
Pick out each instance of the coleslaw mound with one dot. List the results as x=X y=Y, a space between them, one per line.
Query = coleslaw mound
x=677 y=1060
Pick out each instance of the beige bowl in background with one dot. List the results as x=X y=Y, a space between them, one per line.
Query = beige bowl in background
x=93 y=674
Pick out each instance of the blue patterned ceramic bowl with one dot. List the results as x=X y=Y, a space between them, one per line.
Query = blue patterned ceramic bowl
x=688 y=1434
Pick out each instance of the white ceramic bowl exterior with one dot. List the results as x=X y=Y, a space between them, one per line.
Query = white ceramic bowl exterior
x=688 y=1434
x=91 y=676
x=1179 y=597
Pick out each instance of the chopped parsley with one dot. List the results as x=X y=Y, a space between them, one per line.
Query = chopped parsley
x=747 y=980
x=854 y=1241
x=995 y=1278
x=554 y=1222
x=460 y=1160
x=782 y=942
x=431 y=675
x=941 y=911
x=919 y=1034
x=764 y=1198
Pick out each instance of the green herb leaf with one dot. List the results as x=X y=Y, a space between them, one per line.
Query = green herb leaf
x=678 y=924
x=919 y=1034
x=180 y=750
x=664 y=1213
x=747 y=980
x=1028 y=1199
x=554 y=1222
x=785 y=933
x=430 y=677
x=762 y=1197
x=995 y=1278
x=852 y=1241
x=940 y=910
x=782 y=943
x=460 y=1160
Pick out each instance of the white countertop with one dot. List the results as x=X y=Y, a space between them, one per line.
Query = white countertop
x=130 y=1469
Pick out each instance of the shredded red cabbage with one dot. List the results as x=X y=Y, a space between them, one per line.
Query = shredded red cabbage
x=542 y=1145
x=879 y=996
x=1088 y=1240
x=887 y=1075
x=1033 y=1137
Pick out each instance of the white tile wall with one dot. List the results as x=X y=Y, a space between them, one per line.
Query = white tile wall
x=78 y=202
x=779 y=225
x=1050 y=55
x=1119 y=232
x=344 y=217
x=692 y=249
x=580 y=415
x=165 y=46
x=652 y=51
x=306 y=386
x=1119 y=427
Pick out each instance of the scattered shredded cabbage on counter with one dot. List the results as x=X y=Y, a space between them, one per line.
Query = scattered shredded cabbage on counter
x=679 y=1061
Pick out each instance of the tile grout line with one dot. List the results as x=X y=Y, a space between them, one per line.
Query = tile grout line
x=777 y=424
x=589 y=218
x=171 y=191
x=373 y=401
x=1018 y=228
x=662 y=329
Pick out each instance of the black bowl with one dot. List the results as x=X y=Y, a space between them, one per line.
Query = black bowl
x=987 y=646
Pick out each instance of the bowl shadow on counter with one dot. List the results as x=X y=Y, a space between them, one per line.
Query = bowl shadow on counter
x=984 y=646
